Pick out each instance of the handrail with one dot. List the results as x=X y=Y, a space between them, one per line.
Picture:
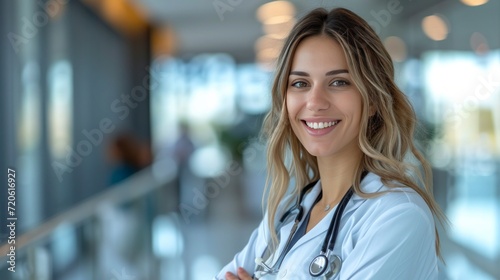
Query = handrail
x=134 y=187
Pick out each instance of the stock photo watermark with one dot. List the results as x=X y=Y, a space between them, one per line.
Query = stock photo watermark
x=30 y=26
x=382 y=18
x=210 y=190
x=11 y=218
x=121 y=108
x=122 y=275
x=223 y=6
x=202 y=196
x=484 y=90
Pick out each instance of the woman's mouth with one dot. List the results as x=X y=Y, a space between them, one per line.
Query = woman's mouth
x=321 y=125
x=320 y=128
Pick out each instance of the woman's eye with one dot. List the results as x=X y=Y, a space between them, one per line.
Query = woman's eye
x=339 y=83
x=299 y=84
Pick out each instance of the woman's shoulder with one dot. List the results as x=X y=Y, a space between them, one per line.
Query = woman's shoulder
x=401 y=200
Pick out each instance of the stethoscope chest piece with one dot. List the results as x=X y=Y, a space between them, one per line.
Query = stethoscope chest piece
x=321 y=265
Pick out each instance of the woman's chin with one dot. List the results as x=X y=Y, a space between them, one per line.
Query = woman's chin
x=319 y=152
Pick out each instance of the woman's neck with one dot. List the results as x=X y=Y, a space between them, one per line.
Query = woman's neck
x=336 y=175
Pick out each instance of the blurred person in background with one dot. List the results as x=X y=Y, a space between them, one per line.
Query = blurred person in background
x=120 y=225
x=128 y=155
x=182 y=150
x=341 y=129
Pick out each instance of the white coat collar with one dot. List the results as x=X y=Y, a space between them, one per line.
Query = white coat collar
x=370 y=184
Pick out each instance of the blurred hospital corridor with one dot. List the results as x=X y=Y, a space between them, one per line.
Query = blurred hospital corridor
x=131 y=145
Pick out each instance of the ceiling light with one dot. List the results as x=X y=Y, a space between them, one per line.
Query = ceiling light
x=474 y=2
x=435 y=27
x=275 y=9
x=266 y=59
x=267 y=48
x=479 y=43
x=278 y=20
x=279 y=30
x=396 y=48
x=266 y=42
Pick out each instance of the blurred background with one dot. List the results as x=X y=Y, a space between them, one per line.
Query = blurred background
x=130 y=145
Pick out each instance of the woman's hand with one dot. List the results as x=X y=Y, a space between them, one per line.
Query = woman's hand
x=242 y=275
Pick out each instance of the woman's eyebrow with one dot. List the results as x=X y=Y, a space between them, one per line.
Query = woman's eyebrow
x=299 y=73
x=329 y=73
x=335 y=72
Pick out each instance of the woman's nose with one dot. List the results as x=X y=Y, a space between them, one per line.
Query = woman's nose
x=317 y=99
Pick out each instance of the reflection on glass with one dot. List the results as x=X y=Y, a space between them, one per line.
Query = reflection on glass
x=253 y=90
x=207 y=90
x=204 y=265
x=168 y=246
x=209 y=161
x=60 y=106
x=29 y=135
x=64 y=244
x=212 y=86
x=29 y=126
x=167 y=238
x=166 y=100
x=463 y=94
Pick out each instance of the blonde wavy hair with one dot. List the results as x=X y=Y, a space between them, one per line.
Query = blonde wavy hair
x=386 y=135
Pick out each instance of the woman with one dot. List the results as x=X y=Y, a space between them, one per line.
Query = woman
x=340 y=127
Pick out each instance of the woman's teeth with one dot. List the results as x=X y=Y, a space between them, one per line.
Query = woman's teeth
x=321 y=125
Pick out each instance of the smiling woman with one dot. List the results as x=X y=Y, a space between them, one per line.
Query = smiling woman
x=324 y=107
x=359 y=209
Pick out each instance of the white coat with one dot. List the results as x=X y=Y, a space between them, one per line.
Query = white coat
x=389 y=237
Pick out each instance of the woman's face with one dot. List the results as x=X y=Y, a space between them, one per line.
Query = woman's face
x=324 y=107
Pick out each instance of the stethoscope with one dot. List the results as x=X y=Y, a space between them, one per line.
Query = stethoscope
x=326 y=263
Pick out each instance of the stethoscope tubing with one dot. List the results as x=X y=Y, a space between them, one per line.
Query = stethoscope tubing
x=331 y=235
x=329 y=242
x=298 y=218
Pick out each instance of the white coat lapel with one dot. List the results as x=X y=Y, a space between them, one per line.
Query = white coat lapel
x=370 y=184
x=322 y=226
